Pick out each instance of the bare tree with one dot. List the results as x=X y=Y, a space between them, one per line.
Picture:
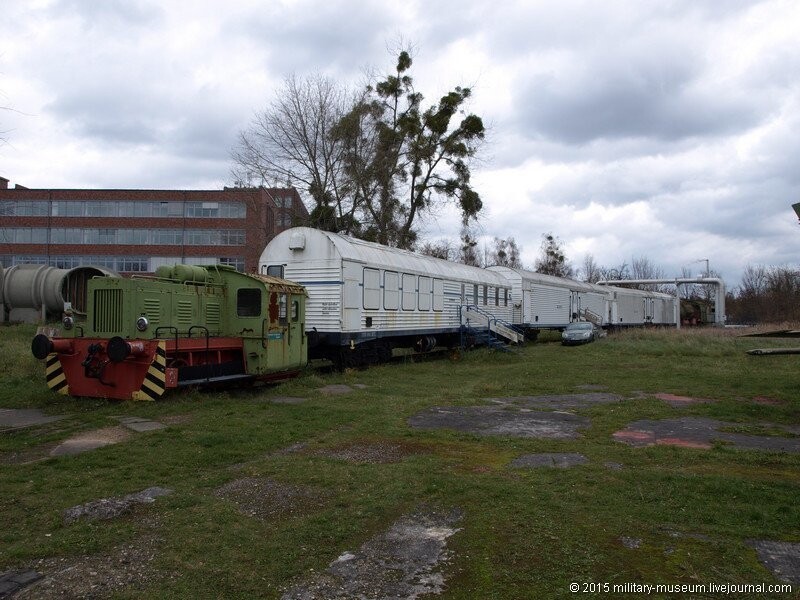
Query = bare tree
x=590 y=271
x=291 y=141
x=505 y=253
x=552 y=260
x=468 y=253
x=443 y=249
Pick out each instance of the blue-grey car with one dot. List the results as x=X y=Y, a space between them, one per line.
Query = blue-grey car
x=580 y=332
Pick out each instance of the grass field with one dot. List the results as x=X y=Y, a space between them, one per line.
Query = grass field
x=525 y=533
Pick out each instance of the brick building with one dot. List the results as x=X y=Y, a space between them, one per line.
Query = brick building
x=136 y=231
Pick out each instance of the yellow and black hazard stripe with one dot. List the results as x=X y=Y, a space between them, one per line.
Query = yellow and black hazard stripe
x=154 y=382
x=56 y=380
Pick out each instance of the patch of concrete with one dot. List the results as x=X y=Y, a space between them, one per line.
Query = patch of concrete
x=369 y=452
x=286 y=400
x=91 y=440
x=550 y=459
x=110 y=508
x=267 y=499
x=139 y=424
x=399 y=563
x=632 y=543
x=782 y=558
x=613 y=466
x=20 y=418
x=678 y=401
x=560 y=402
x=13 y=581
x=501 y=420
x=700 y=433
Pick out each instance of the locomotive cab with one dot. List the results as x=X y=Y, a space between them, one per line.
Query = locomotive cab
x=188 y=325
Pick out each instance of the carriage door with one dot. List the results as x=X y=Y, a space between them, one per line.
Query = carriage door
x=648 y=310
x=351 y=296
x=516 y=314
x=574 y=306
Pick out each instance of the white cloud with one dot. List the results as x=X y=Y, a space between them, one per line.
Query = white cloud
x=666 y=130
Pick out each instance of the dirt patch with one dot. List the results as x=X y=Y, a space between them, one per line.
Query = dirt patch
x=549 y=460
x=678 y=401
x=695 y=432
x=110 y=508
x=140 y=425
x=91 y=440
x=267 y=499
x=501 y=420
x=27 y=456
x=781 y=558
x=370 y=452
x=127 y=567
x=631 y=543
x=767 y=401
x=286 y=400
x=20 y=418
x=402 y=562
x=561 y=402
x=177 y=419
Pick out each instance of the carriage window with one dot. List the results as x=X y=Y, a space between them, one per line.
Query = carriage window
x=282 y=309
x=462 y=293
x=505 y=301
x=424 y=293
x=409 y=292
x=497 y=296
x=391 y=290
x=248 y=303
x=372 y=289
x=485 y=295
x=295 y=311
x=438 y=295
x=275 y=271
x=475 y=294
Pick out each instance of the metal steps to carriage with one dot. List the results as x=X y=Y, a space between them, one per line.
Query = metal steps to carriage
x=481 y=328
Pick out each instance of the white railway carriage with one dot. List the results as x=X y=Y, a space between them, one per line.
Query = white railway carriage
x=632 y=307
x=365 y=299
x=547 y=302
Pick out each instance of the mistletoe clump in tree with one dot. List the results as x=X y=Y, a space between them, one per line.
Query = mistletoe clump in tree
x=401 y=159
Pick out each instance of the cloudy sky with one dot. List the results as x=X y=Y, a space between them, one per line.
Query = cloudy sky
x=665 y=129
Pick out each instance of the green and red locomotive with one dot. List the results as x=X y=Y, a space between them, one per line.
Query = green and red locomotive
x=188 y=325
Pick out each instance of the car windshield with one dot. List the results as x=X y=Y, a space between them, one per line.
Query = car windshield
x=579 y=327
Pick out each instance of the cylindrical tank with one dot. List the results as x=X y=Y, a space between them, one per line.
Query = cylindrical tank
x=26 y=289
x=190 y=273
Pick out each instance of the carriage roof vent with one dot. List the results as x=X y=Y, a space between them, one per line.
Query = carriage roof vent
x=297 y=241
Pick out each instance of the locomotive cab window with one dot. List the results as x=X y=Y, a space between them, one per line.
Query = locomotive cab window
x=248 y=303
x=275 y=271
x=282 y=309
x=295 y=310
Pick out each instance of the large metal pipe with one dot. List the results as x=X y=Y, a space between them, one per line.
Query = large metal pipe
x=29 y=292
x=719 y=296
